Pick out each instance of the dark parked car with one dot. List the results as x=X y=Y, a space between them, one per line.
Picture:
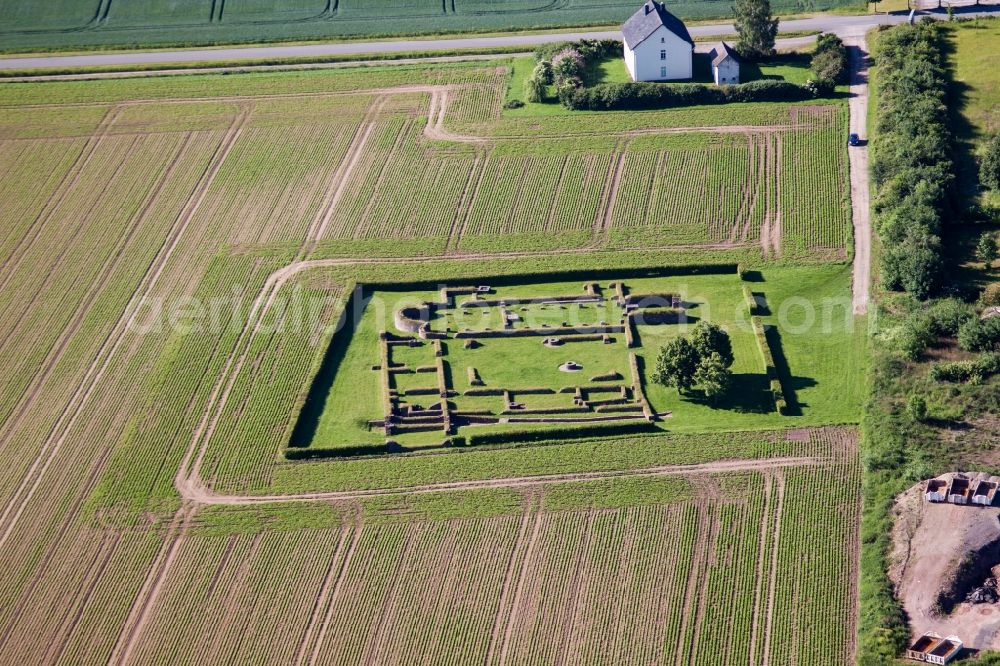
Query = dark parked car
x=853 y=140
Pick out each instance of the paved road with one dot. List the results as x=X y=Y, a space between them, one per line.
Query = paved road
x=844 y=25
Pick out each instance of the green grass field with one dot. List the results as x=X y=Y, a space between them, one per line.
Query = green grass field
x=175 y=255
x=83 y=23
x=977 y=85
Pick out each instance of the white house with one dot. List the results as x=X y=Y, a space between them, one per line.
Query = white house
x=725 y=65
x=657 y=45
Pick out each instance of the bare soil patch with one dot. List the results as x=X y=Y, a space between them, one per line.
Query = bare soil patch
x=932 y=544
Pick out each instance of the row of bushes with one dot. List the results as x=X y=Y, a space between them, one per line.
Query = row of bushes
x=575 y=432
x=645 y=95
x=975 y=371
x=560 y=276
x=911 y=155
x=774 y=383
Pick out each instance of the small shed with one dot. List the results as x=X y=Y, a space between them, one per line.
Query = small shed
x=984 y=492
x=959 y=490
x=947 y=649
x=932 y=649
x=725 y=65
x=936 y=490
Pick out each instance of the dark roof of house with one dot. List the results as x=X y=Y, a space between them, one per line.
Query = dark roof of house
x=648 y=19
x=720 y=53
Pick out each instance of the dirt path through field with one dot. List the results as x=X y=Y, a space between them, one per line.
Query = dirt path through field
x=194 y=491
x=858 y=159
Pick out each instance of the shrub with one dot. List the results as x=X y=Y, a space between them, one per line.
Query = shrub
x=979 y=335
x=514 y=104
x=916 y=407
x=990 y=295
x=948 y=315
x=829 y=60
x=989 y=165
x=986 y=249
x=975 y=371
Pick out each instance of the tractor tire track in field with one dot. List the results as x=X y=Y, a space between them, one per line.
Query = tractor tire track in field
x=758 y=610
x=138 y=615
x=95 y=371
x=512 y=615
x=335 y=593
x=320 y=605
x=692 y=588
x=66 y=184
x=74 y=510
x=772 y=579
x=323 y=608
x=613 y=185
x=776 y=226
x=94 y=290
x=341 y=177
x=464 y=203
x=515 y=565
x=194 y=491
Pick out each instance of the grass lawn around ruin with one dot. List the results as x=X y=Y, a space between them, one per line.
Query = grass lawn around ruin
x=817 y=345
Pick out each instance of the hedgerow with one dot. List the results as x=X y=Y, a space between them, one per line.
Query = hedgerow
x=911 y=155
x=645 y=95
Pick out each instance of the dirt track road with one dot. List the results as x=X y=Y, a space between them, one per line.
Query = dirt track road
x=858 y=158
x=195 y=492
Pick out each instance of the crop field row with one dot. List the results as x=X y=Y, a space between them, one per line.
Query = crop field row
x=710 y=569
x=54 y=23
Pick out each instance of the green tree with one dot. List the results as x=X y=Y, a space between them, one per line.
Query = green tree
x=713 y=376
x=829 y=60
x=986 y=250
x=756 y=28
x=543 y=70
x=711 y=339
x=989 y=166
x=676 y=364
x=534 y=88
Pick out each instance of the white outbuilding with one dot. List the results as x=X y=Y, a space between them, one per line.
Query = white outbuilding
x=657 y=45
x=725 y=65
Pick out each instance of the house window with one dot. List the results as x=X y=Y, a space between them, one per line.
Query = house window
x=663 y=54
x=663 y=72
x=663 y=40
